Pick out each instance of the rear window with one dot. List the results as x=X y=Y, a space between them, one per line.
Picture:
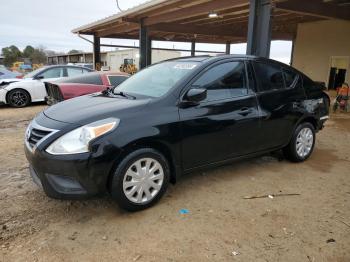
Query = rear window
x=291 y=78
x=116 y=80
x=269 y=76
x=92 y=79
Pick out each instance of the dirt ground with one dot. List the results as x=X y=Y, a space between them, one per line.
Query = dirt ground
x=221 y=225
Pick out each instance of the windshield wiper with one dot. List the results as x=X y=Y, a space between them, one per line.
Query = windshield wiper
x=107 y=91
x=110 y=92
x=123 y=94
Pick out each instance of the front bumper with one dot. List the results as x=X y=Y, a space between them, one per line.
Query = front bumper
x=75 y=176
x=3 y=93
x=69 y=178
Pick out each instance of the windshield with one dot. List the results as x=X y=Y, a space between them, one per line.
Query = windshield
x=33 y=73
x=156 y=80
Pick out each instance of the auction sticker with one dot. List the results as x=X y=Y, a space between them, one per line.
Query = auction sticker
x=184 y=66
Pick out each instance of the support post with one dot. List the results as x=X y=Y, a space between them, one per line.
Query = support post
x=97 y=53
x=145 y=47
x=292 y=53
x=193 y=48
x=228 y=48
x=149 y=52
x=259 y=28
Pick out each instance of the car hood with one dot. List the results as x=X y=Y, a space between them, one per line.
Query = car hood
x=16 y=82
x=9 y=80
x=93 y=107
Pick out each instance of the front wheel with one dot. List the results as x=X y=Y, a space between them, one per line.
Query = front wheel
x=302 y=143
x=18 y=98
x=140 y=180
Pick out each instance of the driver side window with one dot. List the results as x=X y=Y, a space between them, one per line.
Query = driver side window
x=223 y=81
x=55 y=72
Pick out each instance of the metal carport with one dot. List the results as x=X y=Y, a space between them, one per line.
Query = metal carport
x=256 y=22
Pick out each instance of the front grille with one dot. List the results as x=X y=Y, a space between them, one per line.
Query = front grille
x=36 y=135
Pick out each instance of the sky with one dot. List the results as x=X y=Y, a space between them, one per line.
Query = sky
x=49 y=24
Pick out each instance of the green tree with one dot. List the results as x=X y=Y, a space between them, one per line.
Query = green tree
x=11 y=54
x=28 y=51
x=39 y=56
x=74 y=51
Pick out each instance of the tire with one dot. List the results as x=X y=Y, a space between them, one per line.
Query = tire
x=130 y=178
x=302 y=143
x=18 y=98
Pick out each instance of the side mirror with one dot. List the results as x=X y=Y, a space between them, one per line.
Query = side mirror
x=38 y=77
x=196 y=95
x=193 y=97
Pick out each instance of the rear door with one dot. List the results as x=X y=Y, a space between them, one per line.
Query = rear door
x=280 y=94
x=222 y=126
x=85 y=84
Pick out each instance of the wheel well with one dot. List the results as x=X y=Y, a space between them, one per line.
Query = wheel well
x=8 y=93
x=310 y=120
x=163 y=149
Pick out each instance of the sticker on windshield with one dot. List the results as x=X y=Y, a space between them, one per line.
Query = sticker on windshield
x=185 y=66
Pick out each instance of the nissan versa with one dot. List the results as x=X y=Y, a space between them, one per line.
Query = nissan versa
x=170 y=119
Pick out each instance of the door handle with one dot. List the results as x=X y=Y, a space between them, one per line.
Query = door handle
x=245 y=111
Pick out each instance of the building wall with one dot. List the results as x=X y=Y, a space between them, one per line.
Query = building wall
x=116 y=58
x=316 y=43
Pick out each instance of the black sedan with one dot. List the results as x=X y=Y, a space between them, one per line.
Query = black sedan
x=170 y=119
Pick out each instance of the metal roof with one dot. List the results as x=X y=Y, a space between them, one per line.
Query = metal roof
x=188 y=20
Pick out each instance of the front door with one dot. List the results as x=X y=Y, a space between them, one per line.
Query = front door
x=224 y=125
x=49 y=75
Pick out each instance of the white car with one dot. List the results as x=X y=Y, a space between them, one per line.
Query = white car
x=21 y=92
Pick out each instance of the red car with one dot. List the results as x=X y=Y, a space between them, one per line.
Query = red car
x=89 y=83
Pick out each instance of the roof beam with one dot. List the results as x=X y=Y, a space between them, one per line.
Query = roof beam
x=185 y=29
x=315 y=8
x=203 y=8
x=119 y=29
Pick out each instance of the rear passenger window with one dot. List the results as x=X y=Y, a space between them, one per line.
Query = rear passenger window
x=268 y=76
x=74 y=71
x=224 y=81
x=91 y=78
x=290 y=78
x=116 y=80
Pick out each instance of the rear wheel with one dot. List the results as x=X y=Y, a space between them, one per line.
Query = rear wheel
x=140 y=180
x=302 y=143
x=18 y=98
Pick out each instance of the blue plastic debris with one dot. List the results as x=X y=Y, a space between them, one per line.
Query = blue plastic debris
x=184 y=211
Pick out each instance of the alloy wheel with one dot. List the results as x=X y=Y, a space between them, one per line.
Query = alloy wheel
x=304 y=142
x=18 y=98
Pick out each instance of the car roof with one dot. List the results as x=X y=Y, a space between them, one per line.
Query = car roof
x=53 y=66
x=110 y=73
x=211 y=58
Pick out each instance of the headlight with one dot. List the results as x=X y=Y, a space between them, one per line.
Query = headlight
x=77 y=141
